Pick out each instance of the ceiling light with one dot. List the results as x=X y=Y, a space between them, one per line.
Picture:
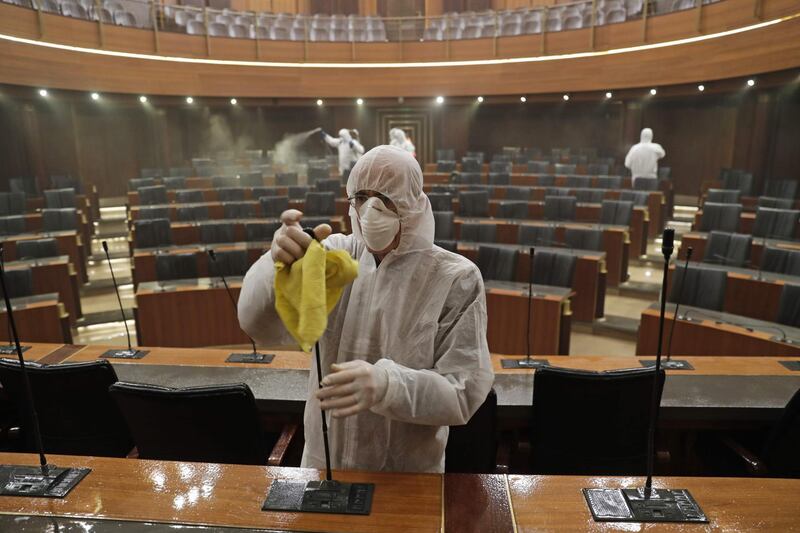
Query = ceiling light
x=701 y=87
x=95 y=96
x=653 y=92
x=43 y=92
x=189 y=100
x=233 y=101
x=609 y=95
x=143 y=99
x=751 y=82
x=360 y=101
x=523 y=99
x=319 y=102
x=480 y=99
x=565 y=97
x=440 y=99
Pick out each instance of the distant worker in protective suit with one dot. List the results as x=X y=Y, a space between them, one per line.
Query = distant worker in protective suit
x=642 y=158
x=397 y=137
x=349 y=149
x=405 y=354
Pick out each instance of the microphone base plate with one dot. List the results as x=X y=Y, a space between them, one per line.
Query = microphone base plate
x=672 y=364
x=631 y=505
x=124 y=354
x=11 y=349
x=324 y=496
x=250 y=357
x=791 y=365
x=524 y=363
x=18 y=480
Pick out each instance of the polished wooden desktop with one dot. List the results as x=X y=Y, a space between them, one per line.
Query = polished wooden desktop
x=217 y=496
x=54 y=274
x=38 y=318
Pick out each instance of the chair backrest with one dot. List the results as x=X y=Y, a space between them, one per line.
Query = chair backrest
x=467 y=178
x=75 y=413
x=480 y=157
x=238 y=210
x=12 y=203
x=512 y=209
x=474 y=232
x=192 y=213
x=441 y=201
x=445 y=154
x=151 y=212
x=473 y=203
x=320 y=203
x=229 y=263
x=497 y=262
x=575 y=181
x=780 y=448
x=152 y=233
x=273 y=206
x=723 y=196
x=499 y=178
x=134 y=184
x=739 y=180
x=174 y=182
x=230 y=194
x=329 y=185
x=153 y=195
x=775 y=203
x=214 y=424
x=284 y=179
x=780 y=260
x=297 y=192
x=176 y=266
x=445 y=166
x=618 y=212
x=472 y=448
x=591 y=423
x=637 y=197
x=705 y=287
x=536 y=235
x=37 y=248
x=776 y=223
x=732 y=249
x=556 y=269
x=789 y=306
x=599 y=169
x=559 y=207
x=786 y=189
x=60 y=198
x=443 y=225
x=19 y=282
x=217 y=232
x=218 y=182
x=584 y=238
x=499 y=166
x=609 y=182
x=12 y=225
x=564 y=169
x=518 y=193
x=722 y=217
x=470 y=164
x=589 y=196
x=317 y=173
x=645 y=184
x=60 y=219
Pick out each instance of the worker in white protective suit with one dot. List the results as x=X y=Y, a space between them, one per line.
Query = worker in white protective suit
x=404 y=355
x=642 y=158
x=397 y=137
x=349 y=150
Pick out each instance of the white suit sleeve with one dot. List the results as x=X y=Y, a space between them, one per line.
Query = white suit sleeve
x=358 y=148
x=332 y=141
x=451 y=392
x=628 y=158
x=659 y=150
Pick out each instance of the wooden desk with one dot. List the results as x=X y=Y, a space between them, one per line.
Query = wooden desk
x=70 y=243
x=615 y=240
x=697 y=240
x=39 y=318
x=588 y=283
x=54 y=274
x=210 y=193
x=216 y=209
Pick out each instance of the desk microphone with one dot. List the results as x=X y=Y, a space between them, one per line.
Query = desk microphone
x=669 y=363
x=527 y=362
x=130 y=353
x=254 y=356
x=46 y=480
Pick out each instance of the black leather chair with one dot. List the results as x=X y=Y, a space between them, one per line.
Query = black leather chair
x=13 y=225
x=284 y=179
x=61 y=181
x=470 y=164
x=559 y=207
x=616 y=212
x=637 y=197
x=37 y=249
x=564 y=169
x=575 y=182
x=497 y=262
x=512 y=209
x=443 y=225
x=63 y=219
x=478 y=156
x=473 y=203
x=258 y=192
x=499 y=178
x=445 y=167
x=732 y=249
x=320 y=204
x=189 y=196
x=251 y=179
x=150 y=172
x=591 y=423
x=26 y=185
x=780 y=260
x=152 y=233
x=19 y=282
x=518 y=193
x=589 y=196
x=183 y=172
x=153 y=195
x=219 y=182
x=60 y=198
x=173 y=183
x=229 y=263
x=134 y=184
x=538 y=167
x=176 y=266
x=149 y=212
x=737 y=179
x=776 y=223
x=273 y=206
x=598 y=169
x=723 y=196
x=318 y=173
x=645 y=184
x=76 y=414
x=329 y=185
x=260 y=231
x=213 y=424
x=230 y=194
x=789 y=306
x=192 y=213
x=441 y=201
x=537 y=235
x=720 y=217
x=552 y=268
x=467 y=178
x=786 y=189
x=609 y=182
x=297 y=192
x=473 y=232
x=546 y=180
x=12 y=203
x=498 y=166
x=775 y=203
x=215 y=232
x=446 y=154
x=238 y=210
x=705 y=287
x=472 y=448
x=584 y=238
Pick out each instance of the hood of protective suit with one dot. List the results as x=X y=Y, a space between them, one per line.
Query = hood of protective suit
x=345 y=135
x=397 y=136
x=646 y=136
x=394 y=173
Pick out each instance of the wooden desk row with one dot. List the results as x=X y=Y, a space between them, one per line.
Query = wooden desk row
x=697 y=240
x=70 y=243
x=88 y=203
x=217 y=496
x=54 y=274
x=199 y=313
x=39 y=318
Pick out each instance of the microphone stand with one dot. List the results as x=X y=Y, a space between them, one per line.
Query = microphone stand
x=254 y=356
x=130 y=353
x=9 y=349
x=645 y=504
x=46 y=480
x=527 y=362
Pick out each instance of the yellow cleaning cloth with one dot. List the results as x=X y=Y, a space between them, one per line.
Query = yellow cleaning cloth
x=307 y=291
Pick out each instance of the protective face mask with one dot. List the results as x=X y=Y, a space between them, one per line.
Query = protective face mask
x=379 y=224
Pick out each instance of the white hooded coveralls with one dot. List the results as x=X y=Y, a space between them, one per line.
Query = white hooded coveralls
x=642 y=158
x=397 y=137
x=420 y=314
x=349 y=149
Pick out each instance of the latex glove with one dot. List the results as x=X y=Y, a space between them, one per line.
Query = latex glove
x=322 y=133
x=352 y=387
x=290 y=242
x=352 y=144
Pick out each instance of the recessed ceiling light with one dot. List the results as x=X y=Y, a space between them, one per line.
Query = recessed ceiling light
x=42 y=92
x=701 y=87
x=565 y=97
x=319 y=101
x=653 y=92
x=143 y=99
x=360 y=101
x=751 y=82
x=440 y=99
x=609 y=95
x=480 y=99
x=189 y=100
x=95 y=96
x=523 y=99
x=234 y=101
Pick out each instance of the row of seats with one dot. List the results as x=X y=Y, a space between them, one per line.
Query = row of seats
x=733 y=179
x=522 y=156
x=733 y=249
x=52 y=220
x=769 y=223
x=549 y=180
x=734 y=196
x=108 y=12
x=157 y=194
x=29 y=186
x=184 y=266
x=316 y=204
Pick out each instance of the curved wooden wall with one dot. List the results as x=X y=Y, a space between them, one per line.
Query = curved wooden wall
x=770 y=48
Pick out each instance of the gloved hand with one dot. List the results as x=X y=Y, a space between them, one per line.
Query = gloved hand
x=352 y=143
x=352 y=387
x=323 y=133
x=290 y=241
